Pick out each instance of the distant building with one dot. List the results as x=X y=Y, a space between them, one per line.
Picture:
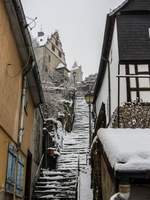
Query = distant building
x=50 y=56
x=76 y=75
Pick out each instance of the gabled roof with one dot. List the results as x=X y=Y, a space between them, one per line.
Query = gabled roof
x=126 y=6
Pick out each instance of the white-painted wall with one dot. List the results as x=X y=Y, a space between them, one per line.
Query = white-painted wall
x=103 y=93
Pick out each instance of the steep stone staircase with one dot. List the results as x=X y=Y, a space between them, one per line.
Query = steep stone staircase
x=62 y=183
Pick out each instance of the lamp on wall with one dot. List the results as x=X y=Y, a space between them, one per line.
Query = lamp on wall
x=89 y=100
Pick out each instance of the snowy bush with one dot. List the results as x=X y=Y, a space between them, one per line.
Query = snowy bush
x=132 y=115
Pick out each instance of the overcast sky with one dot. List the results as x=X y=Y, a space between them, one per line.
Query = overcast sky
x=80 y=24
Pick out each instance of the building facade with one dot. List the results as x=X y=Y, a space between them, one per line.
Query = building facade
x=50 y=56
x=124 y=65
x=21 y=94
x=122 y=91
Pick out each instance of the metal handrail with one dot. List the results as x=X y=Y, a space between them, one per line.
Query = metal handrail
x=37 y=172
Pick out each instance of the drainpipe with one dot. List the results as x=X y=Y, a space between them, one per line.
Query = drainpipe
x=109 y=89
x=20 y=131
x=23 y=98
x=21 y=122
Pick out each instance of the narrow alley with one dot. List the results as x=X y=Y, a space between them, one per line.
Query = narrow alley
x=71 y=179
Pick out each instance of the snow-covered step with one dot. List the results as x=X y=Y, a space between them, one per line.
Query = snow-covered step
x=62 y=182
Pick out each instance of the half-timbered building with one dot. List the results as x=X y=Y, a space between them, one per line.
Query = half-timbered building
x=122 y=93
x=124 y=72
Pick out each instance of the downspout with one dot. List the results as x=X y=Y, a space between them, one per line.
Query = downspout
x=21 y=125
x=20 y=130
x=109 y=92
x=109 y=89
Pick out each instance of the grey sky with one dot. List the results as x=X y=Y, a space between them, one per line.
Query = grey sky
x=80 y=24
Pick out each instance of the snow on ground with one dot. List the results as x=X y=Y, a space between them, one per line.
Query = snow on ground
x=127 y=149
x=62 y=182
x=85 y=184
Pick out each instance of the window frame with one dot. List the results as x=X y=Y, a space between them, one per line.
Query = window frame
x=11 y=177
x=137 y=87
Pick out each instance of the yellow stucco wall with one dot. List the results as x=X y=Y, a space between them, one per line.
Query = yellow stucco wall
x=10 y=77
x=10 y=95
x=28 y=126
x=11 y=83
x=3 y=161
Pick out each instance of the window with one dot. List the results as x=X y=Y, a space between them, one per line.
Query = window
x=59 y=53
x=11 y=169
x=49 y=58
x=136 y=87
x=20 y=177
x=12 y=166
x=53 y=47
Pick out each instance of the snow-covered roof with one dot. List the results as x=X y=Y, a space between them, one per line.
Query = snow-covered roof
x=126 y=149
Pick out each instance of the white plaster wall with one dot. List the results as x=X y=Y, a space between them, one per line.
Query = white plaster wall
x=114 y=57
x=123 y=86
x=114 y=60
x=103 y=94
